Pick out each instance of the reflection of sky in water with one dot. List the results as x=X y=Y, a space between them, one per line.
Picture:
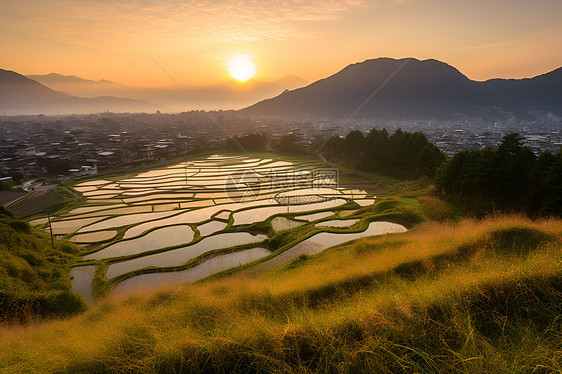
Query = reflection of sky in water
x=159 y=238
x=200 y=271
x=176 y=257
x=82 y=277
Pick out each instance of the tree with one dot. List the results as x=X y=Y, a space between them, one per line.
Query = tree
x=511 y=144
x=553 y=188
x=402 y=154
x=289 y=144
x=507 y=178
x=353 y=146
x=249 y=142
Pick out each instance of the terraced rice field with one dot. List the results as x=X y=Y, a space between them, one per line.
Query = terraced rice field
x=338 y=223
x=213 y=265
x=190 y=220
x=94 y=237
x=324 y=240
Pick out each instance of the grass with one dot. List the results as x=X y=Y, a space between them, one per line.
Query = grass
x=34 y=280
x=472 y=296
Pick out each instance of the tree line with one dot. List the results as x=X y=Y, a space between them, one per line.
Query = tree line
x=402 y=154
x=288 y=144
x=507 y=178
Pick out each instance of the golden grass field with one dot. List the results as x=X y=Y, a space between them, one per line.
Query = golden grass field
x=466 y=296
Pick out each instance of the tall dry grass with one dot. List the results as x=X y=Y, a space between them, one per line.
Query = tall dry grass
x=472 y=296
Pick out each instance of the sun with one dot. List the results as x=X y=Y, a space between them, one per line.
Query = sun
x=241 y=68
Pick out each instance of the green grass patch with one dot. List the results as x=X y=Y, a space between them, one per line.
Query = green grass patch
x=34 y=280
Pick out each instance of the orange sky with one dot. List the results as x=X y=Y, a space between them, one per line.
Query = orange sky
x=102 y=39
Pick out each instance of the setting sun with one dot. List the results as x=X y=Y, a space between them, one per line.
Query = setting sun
x=241 y=68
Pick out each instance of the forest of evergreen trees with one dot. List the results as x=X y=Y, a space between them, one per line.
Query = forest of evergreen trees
x=249 y=142
x=509 y=178
x=402 y=154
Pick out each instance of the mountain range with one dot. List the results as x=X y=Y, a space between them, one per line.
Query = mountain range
x=382 y=88
x=66 y=94
x=228 y=95
x=21 y=95
x=386 y=88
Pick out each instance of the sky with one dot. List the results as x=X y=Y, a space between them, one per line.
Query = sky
x=194 y=40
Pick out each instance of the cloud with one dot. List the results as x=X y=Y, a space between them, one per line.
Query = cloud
x=174 y=23
x=489 y=45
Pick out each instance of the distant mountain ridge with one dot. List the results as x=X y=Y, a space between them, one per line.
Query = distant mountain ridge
x=56 y=78
x=387 y=88
x=228 y=95
x=382 y=88
x=21 y=95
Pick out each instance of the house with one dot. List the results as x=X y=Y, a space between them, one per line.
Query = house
x=89 y=169
x=25 y=150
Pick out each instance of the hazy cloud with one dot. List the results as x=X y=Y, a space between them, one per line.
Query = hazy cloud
x=173 y=22
x=489 y=45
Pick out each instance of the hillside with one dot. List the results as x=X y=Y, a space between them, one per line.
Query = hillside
x=21 y=95
x=34 y=280
x=386 y=88
x=472 y=296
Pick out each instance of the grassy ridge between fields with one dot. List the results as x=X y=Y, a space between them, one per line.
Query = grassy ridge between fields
x=471 y=296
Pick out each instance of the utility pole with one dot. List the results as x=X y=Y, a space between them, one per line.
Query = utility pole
x=51 y=231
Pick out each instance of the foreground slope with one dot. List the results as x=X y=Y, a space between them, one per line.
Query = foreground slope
x=473 y=296
x=34 y=280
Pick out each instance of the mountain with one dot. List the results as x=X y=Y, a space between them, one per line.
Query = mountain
x=408 y=88
x=78 y=86
x=55 y=78
x=228 y=95
x=21 y=95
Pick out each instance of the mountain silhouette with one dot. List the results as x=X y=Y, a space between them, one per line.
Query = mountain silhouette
x=228 y=95
x=22 y=95
x=408 y=88
x=55 y=79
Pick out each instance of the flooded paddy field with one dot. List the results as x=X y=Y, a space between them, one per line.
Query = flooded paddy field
x=187 y=221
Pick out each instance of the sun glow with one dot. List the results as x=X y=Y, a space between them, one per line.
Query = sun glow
x=241 y=68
